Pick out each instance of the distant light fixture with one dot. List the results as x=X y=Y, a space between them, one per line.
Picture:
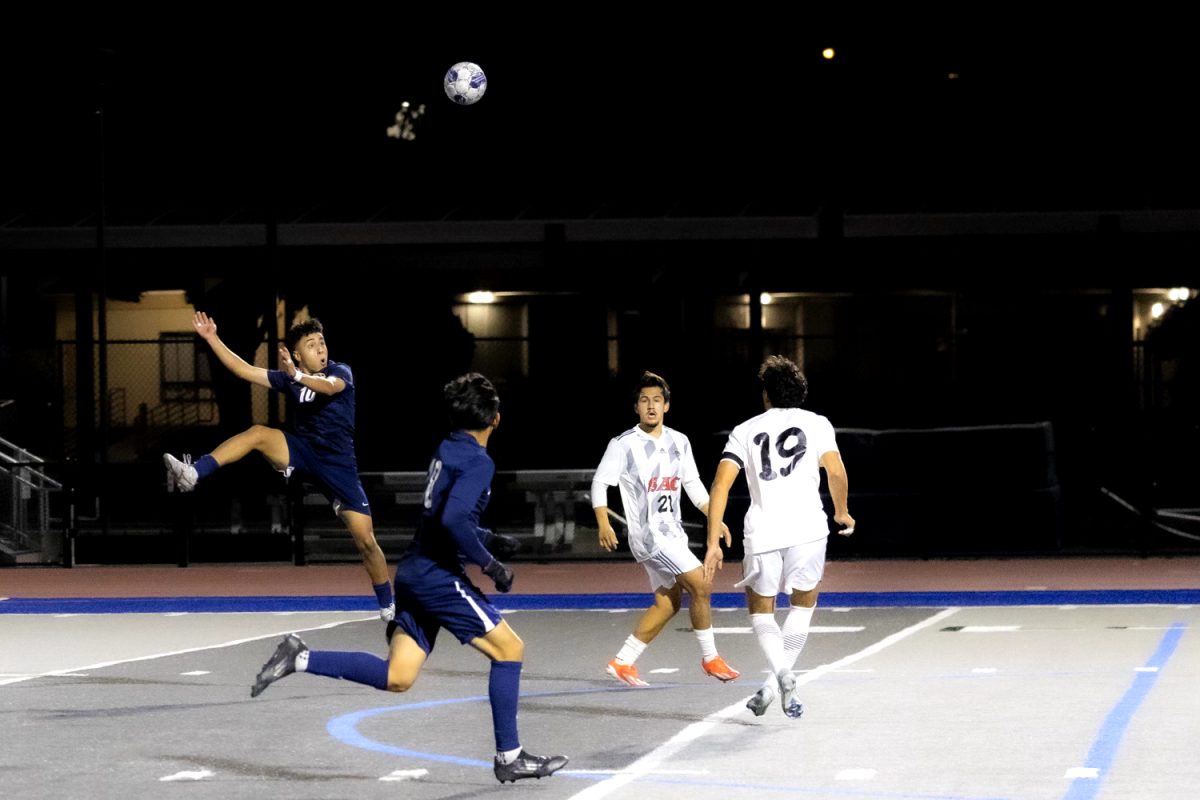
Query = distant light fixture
x=828 y=54
x=765 y=298
x=1156 y=310
x=480 y=298
x=1179 y=294
x=952 y=76
x=406 y=122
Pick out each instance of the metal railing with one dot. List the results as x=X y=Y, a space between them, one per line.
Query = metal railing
x=25 y=488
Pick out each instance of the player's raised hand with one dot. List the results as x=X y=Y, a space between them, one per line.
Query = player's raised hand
x=285 y=362
x=205 y=327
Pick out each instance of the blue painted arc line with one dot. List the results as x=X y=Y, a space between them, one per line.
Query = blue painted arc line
x=576 y=602
x=344 y=728
x=1104 y=750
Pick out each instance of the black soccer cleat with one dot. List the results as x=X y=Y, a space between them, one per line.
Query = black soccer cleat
x=529 y=766
x=281 y=663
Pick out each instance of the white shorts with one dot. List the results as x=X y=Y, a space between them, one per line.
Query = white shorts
x=796 y=568
x=673 y=557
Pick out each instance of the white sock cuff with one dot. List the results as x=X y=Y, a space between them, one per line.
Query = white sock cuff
x=708 y=643
x=630 y=651
x=302 y=661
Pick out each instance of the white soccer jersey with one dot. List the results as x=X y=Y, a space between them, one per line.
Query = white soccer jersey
x=780 y=450
x=650 y=473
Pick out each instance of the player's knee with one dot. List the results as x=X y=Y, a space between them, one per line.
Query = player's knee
x=258 y=434
x=512 y=650
x=400 y=682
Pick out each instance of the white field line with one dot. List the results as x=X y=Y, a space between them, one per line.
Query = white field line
x=650 y=763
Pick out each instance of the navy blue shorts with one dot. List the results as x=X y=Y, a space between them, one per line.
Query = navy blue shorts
x=338 y=482
x=430 y=597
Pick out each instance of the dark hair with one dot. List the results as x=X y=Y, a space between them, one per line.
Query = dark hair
x=471 y=401
x=651 y=379
x=302 y=329
x=783 y=381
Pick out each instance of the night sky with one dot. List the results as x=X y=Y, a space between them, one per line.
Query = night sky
x=633 y=116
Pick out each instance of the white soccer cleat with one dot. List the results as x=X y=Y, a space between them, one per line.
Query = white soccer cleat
x=762 y=700
x=180 y=475
x=788 y=694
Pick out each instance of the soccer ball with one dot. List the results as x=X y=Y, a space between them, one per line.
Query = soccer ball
x=465 y=83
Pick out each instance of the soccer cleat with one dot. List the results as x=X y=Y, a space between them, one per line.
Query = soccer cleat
x=624 y=672
x=761 y=700
x=181 y=475
x=526 y=765
x=717 y=667
x=388 y=613
x=281 y=663
x=788 y=694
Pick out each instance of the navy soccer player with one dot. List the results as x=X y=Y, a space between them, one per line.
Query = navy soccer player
x=320 y=393
x=782 y=451
x=434 y=592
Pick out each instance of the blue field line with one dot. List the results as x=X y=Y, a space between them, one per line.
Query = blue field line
x=1104 y=750
x=575 y=602
x=344 y=728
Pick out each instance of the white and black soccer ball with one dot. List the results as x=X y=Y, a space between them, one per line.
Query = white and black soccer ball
x=465 y=83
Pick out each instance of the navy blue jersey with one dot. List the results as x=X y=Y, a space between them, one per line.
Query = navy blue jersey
x=325 y=421
x=457 y=491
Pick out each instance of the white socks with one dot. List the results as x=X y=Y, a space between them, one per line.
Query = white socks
x=791 y=638
x=508 y=756
x=632 y=648
x=301 y=662
x=708 y=644
x=795 y=632
x=770 y=639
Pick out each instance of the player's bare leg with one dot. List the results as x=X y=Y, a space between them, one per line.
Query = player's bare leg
x=700 y=610
x=184 y=475
x=666 y=605
x=362 y=530
x=405 y=659
x=271 y=442
x=699 y=597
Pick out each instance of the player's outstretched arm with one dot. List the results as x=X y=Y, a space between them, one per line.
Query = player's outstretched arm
x=206 y=329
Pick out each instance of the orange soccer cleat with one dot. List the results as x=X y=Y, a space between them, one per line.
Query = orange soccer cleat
x=626 y=673
x=717 y=667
